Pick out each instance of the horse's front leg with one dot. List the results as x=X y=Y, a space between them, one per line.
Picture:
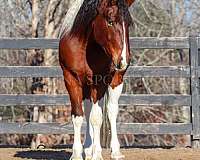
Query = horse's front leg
x=113 y=109
x=76 y=97
x=92 y=144
x=77 y=146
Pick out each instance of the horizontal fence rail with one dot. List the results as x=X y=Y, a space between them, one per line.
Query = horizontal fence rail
x=135 y=43
x=123 y=128
x=133 y=71
x=192 y=72
x=125 y=99
x=159 y=43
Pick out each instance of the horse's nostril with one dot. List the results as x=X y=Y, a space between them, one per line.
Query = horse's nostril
x=119 y=65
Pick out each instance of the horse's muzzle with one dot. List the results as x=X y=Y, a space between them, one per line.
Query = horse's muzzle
x=120 y=66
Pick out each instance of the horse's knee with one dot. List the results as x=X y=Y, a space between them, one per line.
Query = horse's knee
x=113 y=98
x=77 y=121
x=112 y=109
x=96 y=115
x=77 y=110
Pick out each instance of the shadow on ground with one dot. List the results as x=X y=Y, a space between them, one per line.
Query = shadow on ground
x=44 y=155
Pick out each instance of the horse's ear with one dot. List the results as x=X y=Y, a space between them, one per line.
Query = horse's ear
x=113 y=2
x=130 y=2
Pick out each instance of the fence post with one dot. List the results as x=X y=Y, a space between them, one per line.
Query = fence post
x=194 y=86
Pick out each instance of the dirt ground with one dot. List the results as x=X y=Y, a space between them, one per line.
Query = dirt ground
x=131 y=154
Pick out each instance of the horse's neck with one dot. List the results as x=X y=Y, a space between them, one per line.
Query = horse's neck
x=70 y=17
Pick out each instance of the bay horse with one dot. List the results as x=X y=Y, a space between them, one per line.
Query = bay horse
x=94 y=54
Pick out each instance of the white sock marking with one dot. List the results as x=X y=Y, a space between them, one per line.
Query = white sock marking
x=113 y=108
x=89 y=131
x=77 y=146
x=96 y=122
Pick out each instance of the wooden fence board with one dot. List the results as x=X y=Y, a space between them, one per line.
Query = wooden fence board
x=159 y=43
x=125 y=128
x=155 y=128
x=33 y=100
x=135 y=43
x=28 y=43
x=133 y=71
x=125 y=99
x=194 y=64
x=30 y=71
x=192 y=71
x=159 y=71
x=158 y=100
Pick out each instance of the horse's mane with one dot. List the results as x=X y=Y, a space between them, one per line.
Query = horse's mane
x=86 y=14
x=124 y=11
x=88 y=11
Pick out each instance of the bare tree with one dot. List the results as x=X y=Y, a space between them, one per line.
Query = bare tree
x=34 y=18
x=175 y=18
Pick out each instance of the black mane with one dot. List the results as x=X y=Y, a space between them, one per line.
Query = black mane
x=88 y=12
x=124 y=11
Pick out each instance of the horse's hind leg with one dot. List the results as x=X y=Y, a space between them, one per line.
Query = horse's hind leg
x=96 y=122
x=75 y=93
x=89 y=131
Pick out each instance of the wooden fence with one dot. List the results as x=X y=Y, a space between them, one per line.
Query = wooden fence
x=191 y=71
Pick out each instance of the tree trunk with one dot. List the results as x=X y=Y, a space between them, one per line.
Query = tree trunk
x=35 y=20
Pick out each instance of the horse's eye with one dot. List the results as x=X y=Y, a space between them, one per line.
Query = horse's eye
x=110 y=23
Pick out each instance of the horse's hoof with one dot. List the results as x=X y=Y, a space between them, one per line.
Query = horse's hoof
x=88 y=158
x=76 y=158
x=88 y=153
x=97 y=158
x=117 y=156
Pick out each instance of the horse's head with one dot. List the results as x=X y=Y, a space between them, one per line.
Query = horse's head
x=110 y=30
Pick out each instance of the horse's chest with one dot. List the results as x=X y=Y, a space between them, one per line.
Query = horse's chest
x=85 y=63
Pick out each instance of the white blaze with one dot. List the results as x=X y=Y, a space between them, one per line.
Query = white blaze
x=70 y=17
x=124 y=62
